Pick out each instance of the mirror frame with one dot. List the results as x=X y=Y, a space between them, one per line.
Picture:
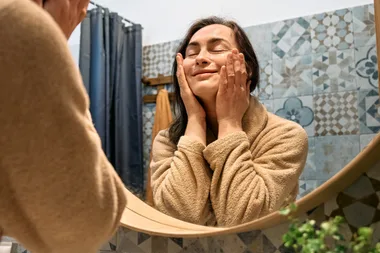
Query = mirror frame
x=141 y=217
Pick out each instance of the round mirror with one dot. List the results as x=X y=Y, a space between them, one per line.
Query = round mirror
x=221 y=159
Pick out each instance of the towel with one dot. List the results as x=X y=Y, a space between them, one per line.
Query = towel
x=238 y=178
x=162 y=120
x=58 y=192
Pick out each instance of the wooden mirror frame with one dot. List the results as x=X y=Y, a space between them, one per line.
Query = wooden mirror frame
x=141 y=217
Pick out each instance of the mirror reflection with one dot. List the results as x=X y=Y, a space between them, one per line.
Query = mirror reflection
x=237 y=122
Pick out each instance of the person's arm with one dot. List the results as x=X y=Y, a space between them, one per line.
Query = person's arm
x=181 y=179
x=58 y=191
x=247 y=186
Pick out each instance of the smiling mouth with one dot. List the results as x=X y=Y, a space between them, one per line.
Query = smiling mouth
x=206 y=73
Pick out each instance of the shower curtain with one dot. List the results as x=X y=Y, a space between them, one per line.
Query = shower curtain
x=110 y=62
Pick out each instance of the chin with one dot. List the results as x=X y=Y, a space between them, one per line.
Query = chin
x=205 y=90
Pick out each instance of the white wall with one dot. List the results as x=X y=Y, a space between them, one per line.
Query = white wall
x=167 y=20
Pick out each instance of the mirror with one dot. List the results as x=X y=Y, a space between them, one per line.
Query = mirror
x=318 y=72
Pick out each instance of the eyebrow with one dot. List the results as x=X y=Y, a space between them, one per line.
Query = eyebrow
x=212 y=41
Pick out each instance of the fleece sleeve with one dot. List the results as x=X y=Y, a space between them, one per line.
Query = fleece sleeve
x=58 y=192
x=246 y=186
x=181 y=179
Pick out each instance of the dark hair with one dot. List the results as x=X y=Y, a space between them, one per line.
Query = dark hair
x=178 y=127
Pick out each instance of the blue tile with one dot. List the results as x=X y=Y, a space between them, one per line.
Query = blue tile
x=332 y=31
x=333 y=153
x=310 y=172
x=369 y=111
x=336 y=113
x=297 y=109
x=292 y=77
x=260 y=37
x=291 y=38
x=364 y=25
x=265 y=87
x=366 y=68
x=334 y=71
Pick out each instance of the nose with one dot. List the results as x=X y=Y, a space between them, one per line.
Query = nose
x=202 y=58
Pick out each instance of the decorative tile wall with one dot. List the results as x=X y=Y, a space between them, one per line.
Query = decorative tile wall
x=319 y=71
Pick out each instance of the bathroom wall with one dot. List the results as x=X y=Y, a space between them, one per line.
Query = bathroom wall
x=319 y=71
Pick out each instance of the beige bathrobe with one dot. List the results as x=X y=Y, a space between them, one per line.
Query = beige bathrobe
x=236 y=179
x=58 y=193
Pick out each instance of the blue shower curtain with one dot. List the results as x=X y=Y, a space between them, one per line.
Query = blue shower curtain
x=110 y=62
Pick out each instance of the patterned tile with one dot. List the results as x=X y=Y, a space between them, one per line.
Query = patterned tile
x=110 y=245
x=364 y=25
x=260 y=37
x=274 y=234
x=291 y=38
x=157 y=59
x=226 y=243
x=374 y=174
x=265 y=88
x=297 y=109
x=149 y=90
x=261 y=244
x=336 y=113
x=366 y=67
x=331 y=31
x=292 y=77
x=365 y=140
x=330 y=205
x=148 y=121
x=268 y=105
x=306 y=186
x=369 y=111
x=309 y=172
x=359 y=214
x=333 y=153
x=360 y=188
x=334 y=71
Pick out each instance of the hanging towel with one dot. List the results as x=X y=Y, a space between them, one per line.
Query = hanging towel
x=162 y=120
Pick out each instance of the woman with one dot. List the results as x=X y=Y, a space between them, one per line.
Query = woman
x=58 y=193
x=225 y=160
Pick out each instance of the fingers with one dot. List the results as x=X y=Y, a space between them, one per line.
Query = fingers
x=237 y=68
x=223 y=79
x=244 y=73
x=230 y=71
x=181 y=73
x=80 y=3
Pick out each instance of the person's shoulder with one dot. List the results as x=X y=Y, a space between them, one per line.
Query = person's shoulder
x=163 y=139
x=286 y=127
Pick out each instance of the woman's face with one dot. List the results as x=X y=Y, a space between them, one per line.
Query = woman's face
x=205 y=55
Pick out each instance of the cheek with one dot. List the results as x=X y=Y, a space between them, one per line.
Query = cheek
x=220 y=60
x=187 y=67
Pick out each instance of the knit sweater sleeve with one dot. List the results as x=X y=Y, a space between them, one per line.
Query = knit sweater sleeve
x=58 y=192
x=181 y=179
x=247 y=186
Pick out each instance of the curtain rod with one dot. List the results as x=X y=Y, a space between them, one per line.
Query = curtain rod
x=99 y=6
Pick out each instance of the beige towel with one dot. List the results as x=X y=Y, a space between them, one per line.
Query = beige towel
x=162 y=120
x=58 y=192
x=233 y=180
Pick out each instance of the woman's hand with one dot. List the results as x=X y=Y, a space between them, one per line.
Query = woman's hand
x=193 y=107
x=196 y=124
x=67 y=13
x=232 y=100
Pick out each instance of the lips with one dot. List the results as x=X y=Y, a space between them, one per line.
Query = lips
x=204 y=71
